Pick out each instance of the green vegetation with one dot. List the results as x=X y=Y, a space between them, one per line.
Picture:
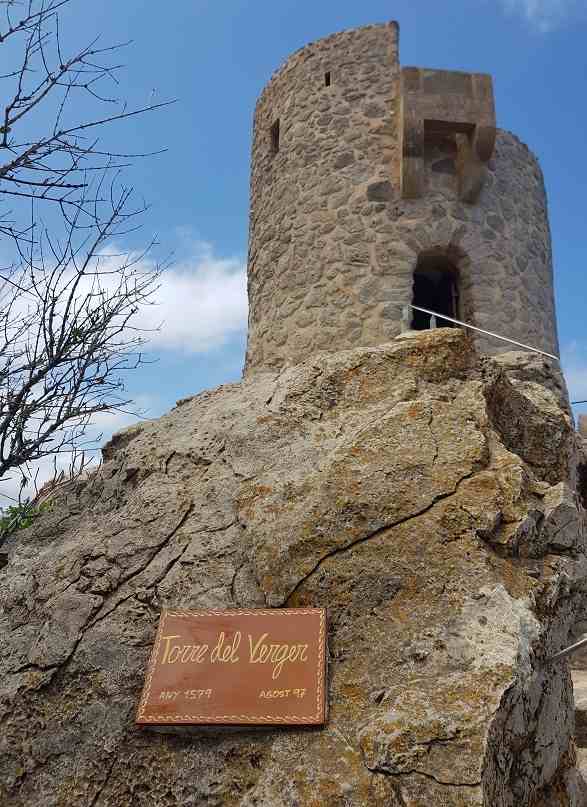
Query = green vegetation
x=19 y=516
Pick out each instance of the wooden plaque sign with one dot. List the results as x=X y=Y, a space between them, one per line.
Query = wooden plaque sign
x=241 y=667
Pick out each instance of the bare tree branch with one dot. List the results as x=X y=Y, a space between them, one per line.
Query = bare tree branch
x=67 y=300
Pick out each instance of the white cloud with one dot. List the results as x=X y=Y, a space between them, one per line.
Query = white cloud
x=545 y=15
x=201 y=304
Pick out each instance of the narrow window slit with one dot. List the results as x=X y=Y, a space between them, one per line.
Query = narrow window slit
x=327 y=78
x=275 y=137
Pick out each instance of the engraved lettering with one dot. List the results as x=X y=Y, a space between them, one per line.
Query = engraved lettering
x=254 y=650
x=168 y=696
x=197 y=694
x=226 y=653
x=277 y=654
x=281 y=693
x=183 y=653
x=167 y=643
x=198 y=653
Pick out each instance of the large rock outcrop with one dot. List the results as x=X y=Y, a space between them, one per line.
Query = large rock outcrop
x=426 y=495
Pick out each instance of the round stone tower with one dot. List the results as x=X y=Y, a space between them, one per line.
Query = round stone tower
x=375 y=187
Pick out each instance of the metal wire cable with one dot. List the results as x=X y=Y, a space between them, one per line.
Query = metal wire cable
x=482 y=330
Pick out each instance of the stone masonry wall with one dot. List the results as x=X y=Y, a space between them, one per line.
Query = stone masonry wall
x=333 y=246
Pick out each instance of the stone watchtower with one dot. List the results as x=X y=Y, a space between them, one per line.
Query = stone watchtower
x=375 y=186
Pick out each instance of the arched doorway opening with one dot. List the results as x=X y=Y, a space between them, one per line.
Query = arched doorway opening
x=436 y=287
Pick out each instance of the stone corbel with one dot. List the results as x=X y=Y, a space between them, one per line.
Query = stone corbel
x=412 y=173
x=473 y=153
x=452 y=102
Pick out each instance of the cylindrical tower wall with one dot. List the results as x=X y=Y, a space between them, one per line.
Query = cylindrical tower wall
x=333 y=246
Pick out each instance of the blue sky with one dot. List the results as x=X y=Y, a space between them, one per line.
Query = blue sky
x=215 y=56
